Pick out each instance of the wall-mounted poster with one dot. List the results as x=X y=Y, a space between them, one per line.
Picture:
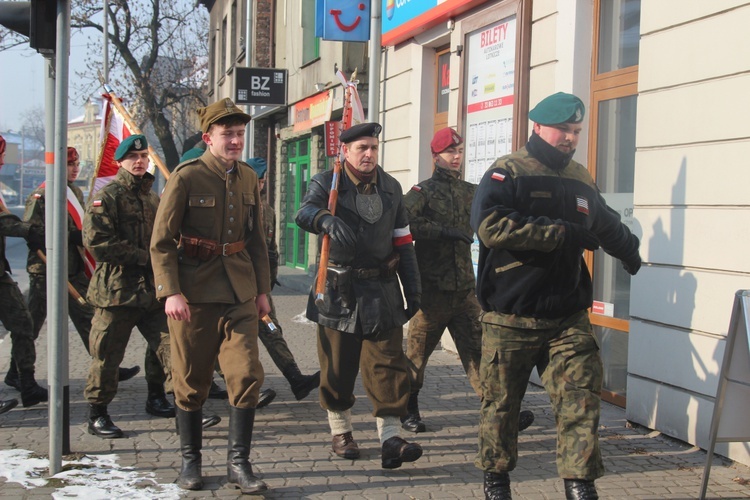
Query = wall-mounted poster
x=490 y=77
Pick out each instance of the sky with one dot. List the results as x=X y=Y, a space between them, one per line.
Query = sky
x=22 y=82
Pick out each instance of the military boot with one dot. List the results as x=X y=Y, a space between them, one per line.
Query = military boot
x=157 y=403
x=579 y=489
x=239 y=471
x=190 y=429
x=301 y=385
x=100 y=424
x=413 y=421
x=265 y=397
x=124 y=374
x=31 y=392
x=525 y=419
x=7 y=405
x=210 y=421
x=11 y=378
x=497 y=486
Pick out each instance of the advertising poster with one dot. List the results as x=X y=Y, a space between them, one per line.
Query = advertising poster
x=490 y=81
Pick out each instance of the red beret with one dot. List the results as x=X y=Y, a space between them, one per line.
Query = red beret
x=445 y=138
x=72 y=155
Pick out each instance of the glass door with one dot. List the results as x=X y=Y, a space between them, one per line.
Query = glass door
x=298 y=174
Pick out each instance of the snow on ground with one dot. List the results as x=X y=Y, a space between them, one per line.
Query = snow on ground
x=94 y=477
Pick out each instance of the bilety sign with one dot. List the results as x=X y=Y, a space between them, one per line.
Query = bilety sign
x=260 y=86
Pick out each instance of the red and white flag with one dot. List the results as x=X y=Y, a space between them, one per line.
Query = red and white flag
x=114 y=129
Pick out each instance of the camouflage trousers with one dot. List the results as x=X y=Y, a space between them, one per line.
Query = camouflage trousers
x=459 y=312
x=110 y=332
x=81 y=315
x=568 y=362
x=274 y=341
x=15 y=317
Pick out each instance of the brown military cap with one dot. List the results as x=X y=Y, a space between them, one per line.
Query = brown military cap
x=218 y=110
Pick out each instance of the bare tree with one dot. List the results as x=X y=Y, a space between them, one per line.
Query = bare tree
x=32 y=123
x=158 y=45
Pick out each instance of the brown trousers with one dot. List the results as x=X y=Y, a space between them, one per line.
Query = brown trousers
x=380 y=359
x=229 y=331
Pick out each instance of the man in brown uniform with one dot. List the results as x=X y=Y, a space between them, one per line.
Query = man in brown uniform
x=211 y=267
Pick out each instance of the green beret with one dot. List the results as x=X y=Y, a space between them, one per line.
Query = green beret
x=558 y=108
x=132 y=143
x=259 y=165
x=361 y=130
x=192 y=154
x=218 y=110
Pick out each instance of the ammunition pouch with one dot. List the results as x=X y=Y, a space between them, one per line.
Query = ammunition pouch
x=339 y=287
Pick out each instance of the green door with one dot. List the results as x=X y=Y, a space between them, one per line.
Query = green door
x=298 y=175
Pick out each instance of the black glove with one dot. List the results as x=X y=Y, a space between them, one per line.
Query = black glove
x=337 y=230
x=632 y=264
x=76 y=237
x=412 y=306
x=35 y=238
x=579 y=236
x=452 y=233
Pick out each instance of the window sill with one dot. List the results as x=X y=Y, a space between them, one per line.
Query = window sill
x=309 y=63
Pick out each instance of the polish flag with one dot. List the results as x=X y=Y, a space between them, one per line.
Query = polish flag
x=114 y=130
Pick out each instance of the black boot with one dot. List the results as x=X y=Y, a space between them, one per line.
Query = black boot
x=579 y=489
x=413 y=421
x=7 y=405
x=210 y=421
x=124 y=374
x=100 y=424
x=157 y=403
x=31 y=392
x=239 y=471
x=497 y=486
x=190 y=429
x=301 y=385
x=525 y=419
x=265 y=397
x=11 y=378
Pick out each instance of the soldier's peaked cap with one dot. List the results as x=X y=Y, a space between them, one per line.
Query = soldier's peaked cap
x=359 y=131
x=135 y=142
x=445 y=138
x=558 y=108
x=218 y=110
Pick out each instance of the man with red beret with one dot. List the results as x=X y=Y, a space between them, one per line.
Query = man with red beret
x=14 y=314
x=439 y=209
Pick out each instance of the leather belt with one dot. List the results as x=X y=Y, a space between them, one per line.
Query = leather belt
x=201 y=247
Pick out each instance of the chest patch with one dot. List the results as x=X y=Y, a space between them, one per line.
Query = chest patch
x=541 y=194
x=582 y=204
x=497 y=176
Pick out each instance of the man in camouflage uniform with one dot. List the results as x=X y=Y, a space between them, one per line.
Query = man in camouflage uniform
x=117 y=231
x=439 y=210
x=273 y=339
x=80 y=313
x=14 y=314
x=535 y=211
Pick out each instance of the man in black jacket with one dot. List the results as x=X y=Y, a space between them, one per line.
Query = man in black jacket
x=360 y=319
x=535 y=211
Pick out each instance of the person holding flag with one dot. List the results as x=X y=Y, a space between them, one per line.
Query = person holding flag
x=14 y=315
x=79 y=270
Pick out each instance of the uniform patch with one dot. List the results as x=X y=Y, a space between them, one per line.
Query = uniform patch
x=416 y=187
x=497 y=176
x=96 y=203
x=582 y=204
x=37 y=195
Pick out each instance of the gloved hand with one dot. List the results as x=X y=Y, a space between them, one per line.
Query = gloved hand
x=632 y=265
x=452 y=233
x=412 y=306
x=579 y=236
x=76 y=237
x=337 y=230
x=35 y=238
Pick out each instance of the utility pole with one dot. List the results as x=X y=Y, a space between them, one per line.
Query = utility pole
x=373 y=86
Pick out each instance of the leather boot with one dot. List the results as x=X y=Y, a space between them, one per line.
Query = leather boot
x=525 y=419
x=11 y=378
x=413 y=421
x=497 y=486
x=210 y=421
x=7 y=405
x=100 y=424
x=239 y=471
x=579 y=489
x=302 y=385
x=216 y=392
x=31 y=392
x=396 y=451
x=157 y=403
x=344 y=446
x=265 y=397
x=190 y=429
x=124 y=374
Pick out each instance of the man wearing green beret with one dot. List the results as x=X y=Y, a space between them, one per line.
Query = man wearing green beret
x=117 y=229
x=211 y=267
x=535 y=212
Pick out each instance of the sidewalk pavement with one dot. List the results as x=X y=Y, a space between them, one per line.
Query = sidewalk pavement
x=291 y=445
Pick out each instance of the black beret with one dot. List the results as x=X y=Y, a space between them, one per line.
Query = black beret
x=361 y=130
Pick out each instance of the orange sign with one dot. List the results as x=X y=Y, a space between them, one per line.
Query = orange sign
x=313 y=111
